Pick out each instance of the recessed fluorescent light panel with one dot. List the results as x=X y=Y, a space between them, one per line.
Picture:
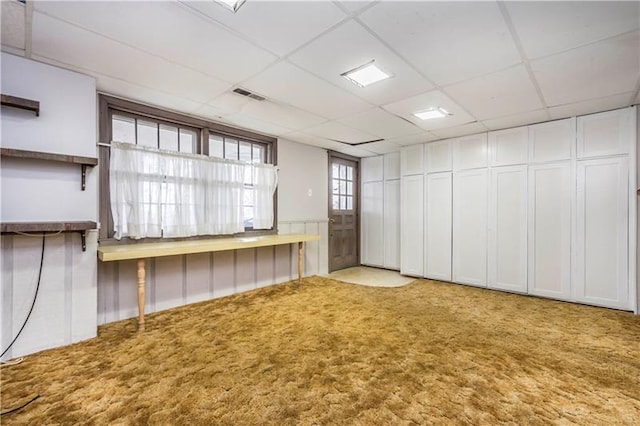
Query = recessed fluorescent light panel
x=232 y=5
x=430 y=113
x=366 y=74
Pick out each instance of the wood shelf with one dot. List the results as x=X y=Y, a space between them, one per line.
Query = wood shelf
x=49 y=156
x=37 y=155
x=21 y=103
x=78 y=226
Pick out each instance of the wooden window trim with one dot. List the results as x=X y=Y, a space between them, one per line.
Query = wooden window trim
x=108 y=104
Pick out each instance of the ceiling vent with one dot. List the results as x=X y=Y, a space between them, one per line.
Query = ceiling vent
x=248 y=94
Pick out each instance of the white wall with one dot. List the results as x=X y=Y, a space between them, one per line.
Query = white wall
x=41 y=191
x=179 y=280
x=303 y=168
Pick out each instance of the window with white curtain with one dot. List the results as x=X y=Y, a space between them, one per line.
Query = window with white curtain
x=174 y=176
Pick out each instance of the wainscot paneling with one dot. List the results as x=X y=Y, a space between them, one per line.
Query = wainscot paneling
x=63 y=307
x=179 y=280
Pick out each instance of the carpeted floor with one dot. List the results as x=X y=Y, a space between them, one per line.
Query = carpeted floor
x=327 y=352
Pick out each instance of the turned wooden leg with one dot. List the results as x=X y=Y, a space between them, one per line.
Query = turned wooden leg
x=141 y=281
x=300 y=260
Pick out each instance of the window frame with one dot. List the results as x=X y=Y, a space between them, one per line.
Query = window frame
x=108 y=105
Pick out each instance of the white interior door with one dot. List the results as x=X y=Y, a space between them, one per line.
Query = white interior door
x=412 y=224
x=438 y=226
x=507 y=257
x=470 y=227
x=602 y=236
x=549 y=237
x=372 y=224
x=392 y=224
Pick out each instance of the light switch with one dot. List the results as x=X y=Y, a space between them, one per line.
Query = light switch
x=309 y=192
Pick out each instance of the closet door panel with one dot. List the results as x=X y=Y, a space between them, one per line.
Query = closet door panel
x=552 y=141
x=508 y=147
x=372 y=168
x=605 y=133
x=470 y=227
x=412 y=160
x=470 y=152
x=392 y=166
x=507 y=258
x=372 y=223
x=549 y=237
x=438 y=156
x=438 y=226
x=392 y=224
x=412 y=224
x=602 y=233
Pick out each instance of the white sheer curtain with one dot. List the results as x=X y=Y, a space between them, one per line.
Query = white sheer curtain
x=159 y=193
x=265 y=181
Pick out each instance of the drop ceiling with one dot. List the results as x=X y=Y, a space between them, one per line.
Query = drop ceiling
x=492 y=65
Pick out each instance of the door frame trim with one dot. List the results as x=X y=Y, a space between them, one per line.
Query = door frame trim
x=335 y=154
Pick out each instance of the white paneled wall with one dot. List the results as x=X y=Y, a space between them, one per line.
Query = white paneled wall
x=542 y=209
x=178 y=280
x=470 y=200
x=45 y=191
x=65 y=308
x=380 y=211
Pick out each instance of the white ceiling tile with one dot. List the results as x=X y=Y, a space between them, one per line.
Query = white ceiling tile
x=463 y=130
x=504 y=92
x=294 y=86
x=354 y=6
x=279 y=26
x=249 y=123
x=433 y=99
x=516 y=120
x=280 y=114
x=312 y=140
x=168 y=30
x=414 y=139
x=380 y=123
x=269 y=111
x=355 y=151
x=382 y=147
x=144 y=95
x=590 y=106
x=350 y=46
x=13 y=24
x=447 y=41
x=545 y=28
x=71 y=45
x=605 y=68
x=334 y=130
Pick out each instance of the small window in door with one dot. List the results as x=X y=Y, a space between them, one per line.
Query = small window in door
x=342 y=187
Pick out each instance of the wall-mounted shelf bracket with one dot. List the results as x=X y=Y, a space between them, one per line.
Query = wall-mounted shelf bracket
x=21 y=103
x=42 y=227
x=74 y=159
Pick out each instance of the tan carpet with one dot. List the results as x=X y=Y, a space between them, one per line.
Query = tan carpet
x=326 y=352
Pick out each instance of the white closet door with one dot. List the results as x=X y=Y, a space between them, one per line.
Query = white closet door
x=438 y=156
x=372 y=168
x=552 y=141
x=412 y=242
x=470 y=227
x=602 y=236
x=550 y=230
x=392 y=166
x=372 y=224
x=392 y=224
x=470 y=152
x=438 y=226
x=412 y=160
x=605 y=133
x=507 y=257
x=510 y=146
